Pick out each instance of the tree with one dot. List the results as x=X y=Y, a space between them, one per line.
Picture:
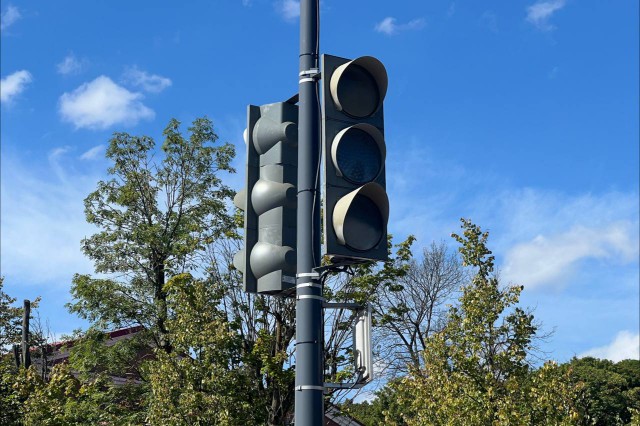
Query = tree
x=11 y=396
x=360 y=284
x=205 y=380
x=412 y=307
x=63 y=399
x=408 y=298
x=610 y=392
x=10 y=319
x=266 y=328
x=476 y=370
x=9 y=401
x=385 y=404
x=155 y=219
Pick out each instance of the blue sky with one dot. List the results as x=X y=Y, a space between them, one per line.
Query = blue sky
x=520 y=115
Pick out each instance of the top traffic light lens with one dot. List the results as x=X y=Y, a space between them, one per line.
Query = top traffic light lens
x=358 y=92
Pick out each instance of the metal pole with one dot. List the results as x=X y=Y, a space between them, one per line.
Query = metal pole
x=26 y=355
x=309 y=397
x=16 y=355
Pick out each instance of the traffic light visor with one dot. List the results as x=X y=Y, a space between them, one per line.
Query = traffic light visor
x=358 y=153
x=359 y=86
x=360 y=217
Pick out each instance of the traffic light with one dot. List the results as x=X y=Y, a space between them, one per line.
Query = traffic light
x=268 y=260
x=356 y=203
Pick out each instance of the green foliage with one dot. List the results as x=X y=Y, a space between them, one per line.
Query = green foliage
x=203 y=381
x=27 y=399
x=65 y=400
x=155 y=220
x=610 y=392
x=475 y=370
x=89 y=354
x=10 y=319
x=9 y=399
x=367 y=281
x=373 y=413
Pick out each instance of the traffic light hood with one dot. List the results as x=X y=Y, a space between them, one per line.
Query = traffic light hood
x=360 y=217
x=366 y=66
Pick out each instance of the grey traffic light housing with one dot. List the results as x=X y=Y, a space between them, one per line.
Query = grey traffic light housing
x=268 y=260
x=354 y=151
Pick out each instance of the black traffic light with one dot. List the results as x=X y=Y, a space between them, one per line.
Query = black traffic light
x=268 y=260
x=356 y=203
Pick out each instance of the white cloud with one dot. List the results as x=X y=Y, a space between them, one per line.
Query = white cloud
x=70 y=65
x=14 y=84
x=549 y=237
x=389 y=25
x=54 y=158
x=9 y=17
x=102 y=103
x=289 y=9
x=44 y=221
x=550 y=259
x=92 y=153
x=540 y=237
x=626 y=345
x=148 y=82
x=539 y=13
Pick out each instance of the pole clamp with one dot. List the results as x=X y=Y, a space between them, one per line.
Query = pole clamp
x=311 y=284
x=310 y=296
x=310 y=75
x=309 y=387
x=308 y=274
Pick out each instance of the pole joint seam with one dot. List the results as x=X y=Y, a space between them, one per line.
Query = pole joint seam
x=307 y=190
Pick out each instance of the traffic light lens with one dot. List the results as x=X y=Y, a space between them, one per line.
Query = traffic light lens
x=358 y=156
x=358 y=92
x=363 y=225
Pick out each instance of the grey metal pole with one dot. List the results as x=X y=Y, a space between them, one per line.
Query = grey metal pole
x=309 y=397
x=26 y=355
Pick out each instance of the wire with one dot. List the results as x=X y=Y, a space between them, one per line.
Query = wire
x=317 y=189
